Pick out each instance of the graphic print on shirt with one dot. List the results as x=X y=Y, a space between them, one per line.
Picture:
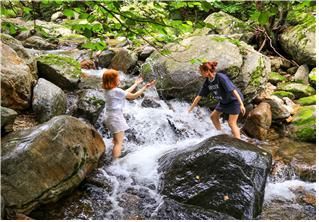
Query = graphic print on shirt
x=214 y=89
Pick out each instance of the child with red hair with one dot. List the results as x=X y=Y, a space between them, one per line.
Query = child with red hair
x=229 y=97
x=114 y=104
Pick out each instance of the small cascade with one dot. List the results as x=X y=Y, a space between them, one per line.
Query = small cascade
x=128 y=188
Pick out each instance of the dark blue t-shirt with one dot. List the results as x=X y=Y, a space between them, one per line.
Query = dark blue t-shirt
x=221 y=88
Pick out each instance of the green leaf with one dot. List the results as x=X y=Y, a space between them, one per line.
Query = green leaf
x=263 y=18
x=68 y=12
x=206 y=6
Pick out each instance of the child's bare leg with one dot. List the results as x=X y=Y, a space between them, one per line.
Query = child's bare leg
x=215 y=119
x=232 y=122
x=118 y=141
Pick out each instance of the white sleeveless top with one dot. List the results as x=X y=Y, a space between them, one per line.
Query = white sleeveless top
x=115 y=99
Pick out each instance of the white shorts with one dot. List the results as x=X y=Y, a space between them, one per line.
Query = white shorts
x=116 y=122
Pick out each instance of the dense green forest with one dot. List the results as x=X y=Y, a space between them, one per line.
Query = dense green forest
x=158 y=22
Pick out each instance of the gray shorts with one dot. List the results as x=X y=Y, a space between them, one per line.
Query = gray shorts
x=116 y=122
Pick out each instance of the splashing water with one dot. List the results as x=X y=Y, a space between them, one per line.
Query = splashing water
x=156 y=132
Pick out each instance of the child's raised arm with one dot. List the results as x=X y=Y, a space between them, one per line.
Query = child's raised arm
x=137 y=81
x=139 y=92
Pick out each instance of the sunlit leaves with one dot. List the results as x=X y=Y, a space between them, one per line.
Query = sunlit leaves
x=68 y=12
x=95 y=45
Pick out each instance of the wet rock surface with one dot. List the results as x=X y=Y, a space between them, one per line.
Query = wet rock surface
x=221 y=174
x=41 y=164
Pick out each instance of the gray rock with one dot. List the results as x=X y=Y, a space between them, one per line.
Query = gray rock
x=300 y=43
x=301 y=75
x=37 y=42
x=105 y=58
x=278 y=108
x=146 y=52
x=90 y=104
x=48 y=100
x=62 y=71
x=225 y=24
x=7 y=119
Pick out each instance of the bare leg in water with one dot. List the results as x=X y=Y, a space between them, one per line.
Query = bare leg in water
x=215 y=119
x=232 y=122
x=118 y=142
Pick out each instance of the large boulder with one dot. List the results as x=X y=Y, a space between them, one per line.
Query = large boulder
x=16 y=80
x=300 y=42
x=21 y=51
x=40 y=164
x=60 y=70
x=178 y=76
x=225 y=24
x=223 y=174
x=303 y=125
x=48 y=100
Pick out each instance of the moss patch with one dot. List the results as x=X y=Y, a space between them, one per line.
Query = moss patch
x=256 y=76
x=306 y=101
x=65 y=63
x=298 y=89
x=282 y=94
x=275 y=77
x=73 y=38
x=312 y=77
x=304 y=123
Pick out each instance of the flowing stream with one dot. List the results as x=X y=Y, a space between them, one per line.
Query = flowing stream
x=127 y=188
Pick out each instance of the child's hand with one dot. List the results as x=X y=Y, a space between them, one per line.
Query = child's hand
x=149 y=84
x=138 y=80
x=84 y=75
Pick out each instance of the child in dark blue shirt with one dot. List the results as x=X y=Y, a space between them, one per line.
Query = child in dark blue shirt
x=229 y=96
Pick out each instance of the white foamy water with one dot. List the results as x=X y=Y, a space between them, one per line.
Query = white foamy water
x=155 y=132
x=283 y=190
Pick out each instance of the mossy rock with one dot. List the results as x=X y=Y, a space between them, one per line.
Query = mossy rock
x=298 y=89
x=306 y=101
x=303 y=125
x=73 y=39
x=61 y=70
x=312 y=77
x=282 y=94
x=275 y=77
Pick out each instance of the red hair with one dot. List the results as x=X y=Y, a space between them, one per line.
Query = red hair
x=110 y=78
x=211 y=66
